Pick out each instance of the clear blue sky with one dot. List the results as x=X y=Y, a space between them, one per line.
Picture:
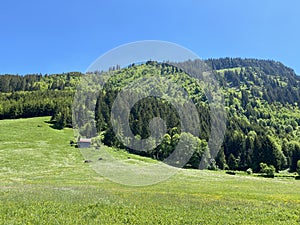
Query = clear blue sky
x=54 y=36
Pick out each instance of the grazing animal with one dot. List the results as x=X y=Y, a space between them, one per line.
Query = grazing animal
x=87 y=161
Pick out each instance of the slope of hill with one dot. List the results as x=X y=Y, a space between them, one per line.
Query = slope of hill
x=262 y=126
x=43 y=180
x=261 y=96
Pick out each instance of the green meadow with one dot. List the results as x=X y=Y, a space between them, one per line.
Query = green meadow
x=44 y=180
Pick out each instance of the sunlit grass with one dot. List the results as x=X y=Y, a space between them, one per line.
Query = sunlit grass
x=43 y=180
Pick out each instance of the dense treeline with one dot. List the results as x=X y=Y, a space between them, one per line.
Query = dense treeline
x=279 y=88
x=262 y=100
x=140 y=116
x=33 y=104
x=37 y=95
x=38 y=82
x=269 y=67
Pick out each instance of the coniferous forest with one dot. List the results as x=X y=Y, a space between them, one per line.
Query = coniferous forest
x=262 y=99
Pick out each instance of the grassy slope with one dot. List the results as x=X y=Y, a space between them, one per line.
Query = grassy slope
x=44 y=181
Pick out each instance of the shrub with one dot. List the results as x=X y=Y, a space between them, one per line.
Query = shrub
x=249 y=171
x=268 y=170
x=213 y=165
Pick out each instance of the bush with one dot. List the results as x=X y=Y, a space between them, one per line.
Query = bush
x=213 y=165
x=249 y=171
x=268 y=170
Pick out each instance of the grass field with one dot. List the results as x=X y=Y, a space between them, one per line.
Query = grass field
x=43 y=180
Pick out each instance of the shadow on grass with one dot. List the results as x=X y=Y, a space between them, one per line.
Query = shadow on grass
x=53 y=124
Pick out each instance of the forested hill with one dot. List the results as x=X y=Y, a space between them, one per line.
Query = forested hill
x=262 y=100
x=275 y=81
x=39 y=82
x=270 y=67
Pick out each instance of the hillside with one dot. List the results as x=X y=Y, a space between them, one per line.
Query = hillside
x=261 y=127
x=43 y=180
x=262 y=99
